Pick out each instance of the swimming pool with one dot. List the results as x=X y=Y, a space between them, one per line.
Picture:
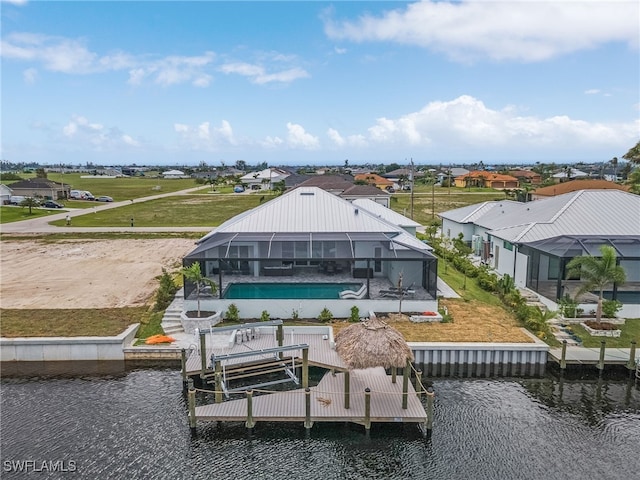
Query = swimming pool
x=288 y=290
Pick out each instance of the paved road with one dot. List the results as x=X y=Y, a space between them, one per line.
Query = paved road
x=42 y=224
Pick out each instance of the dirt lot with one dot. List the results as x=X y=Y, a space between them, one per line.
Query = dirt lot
x=85 y=274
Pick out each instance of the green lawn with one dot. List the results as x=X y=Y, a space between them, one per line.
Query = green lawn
x=125 y=188
x=202 y=210
x=423 y=202
x=630 y=331
x=15 y=214
x=69 y=322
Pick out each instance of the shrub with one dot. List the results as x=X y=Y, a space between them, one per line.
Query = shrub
x=486 y=280
x=264 y=317
x=295 y=315
x=325 y=315
x=355 y=314
x=610 y=308
x=568 y=307
x=232 y=313
x=166 y=291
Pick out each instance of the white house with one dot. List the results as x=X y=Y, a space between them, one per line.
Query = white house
x=264 y=179
x=5 y=194
x=297 y=252
x=533 y=242
x=173 y=174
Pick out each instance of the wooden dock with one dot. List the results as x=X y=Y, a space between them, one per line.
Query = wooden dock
x=600 y=356
x=320 y=352
x=327 y=403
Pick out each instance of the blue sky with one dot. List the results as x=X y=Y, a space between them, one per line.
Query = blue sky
x=297 y=83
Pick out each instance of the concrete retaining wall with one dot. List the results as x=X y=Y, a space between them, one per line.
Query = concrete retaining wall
x=39 y=349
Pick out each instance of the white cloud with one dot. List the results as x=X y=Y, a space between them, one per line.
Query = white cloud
x=340 y=51
x=83 y=132
x=257 y=74
x=15 y=2
x=298 y=138
x=30 y=75
x=205 y=137
x=272 y=142
x=72 y=56
x=592 y=91
x=351 y=140
x=467 y=121
x=516 y=30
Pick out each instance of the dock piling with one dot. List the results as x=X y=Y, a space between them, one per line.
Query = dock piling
x=631 y=365
x=192 y=406
x=367 y=409
x=307 y=409
x=419 y=383
x=218 y=380
x=603 y=344
x=347 y=386
x=305 y=367
x=203 y=354
x=183 y=365
x=394 y=373
x=430 y=400
x=250 y=423
x=405 y=384
x=563 y=358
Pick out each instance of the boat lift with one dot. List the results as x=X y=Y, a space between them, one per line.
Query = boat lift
x=273 y=362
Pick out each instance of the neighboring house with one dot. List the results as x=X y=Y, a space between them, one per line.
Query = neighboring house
x=5 y=194
x=264 y=179
x=526 y=176
x=484 y=179
x=533 y=242
x=309 y=237
x=294 y=180
x=451 y=173
x=173 y=174
x=571 y=175
x=211 y=174
x=374 y=179
x=335 y=184
x=369 y=192
x=574 y=185
x=41 y=187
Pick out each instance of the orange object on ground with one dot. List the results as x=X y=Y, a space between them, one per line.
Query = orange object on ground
x=429 y=314
x=155 y=339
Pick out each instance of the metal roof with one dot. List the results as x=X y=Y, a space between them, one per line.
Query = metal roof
x=585 y=212
x=309 y=213
x=385 y=213
x=572 y=246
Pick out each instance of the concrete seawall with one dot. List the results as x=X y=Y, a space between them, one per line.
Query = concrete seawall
x=44 y=349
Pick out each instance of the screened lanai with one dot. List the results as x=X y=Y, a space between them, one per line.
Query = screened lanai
x=379 y=260
x=548 y=259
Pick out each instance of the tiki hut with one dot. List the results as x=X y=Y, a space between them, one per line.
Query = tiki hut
x=372 y=344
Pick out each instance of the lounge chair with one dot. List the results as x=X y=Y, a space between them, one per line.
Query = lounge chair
x=395 y=293
x=351 y=294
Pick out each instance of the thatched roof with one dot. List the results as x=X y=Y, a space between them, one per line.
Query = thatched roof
x=372 y=344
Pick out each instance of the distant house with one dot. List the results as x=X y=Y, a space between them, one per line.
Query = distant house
x=5 y=194
x=450 y=173
x=526 y=176
x=335 y=184
x=566 y=176
x=370 y=192
x=173 y=174
x=484 y=179
x=264 y=179
x=533 y=242
x=374 y=179
x=575 y=185
x=41 y=187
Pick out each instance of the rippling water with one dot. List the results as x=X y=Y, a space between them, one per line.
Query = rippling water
x=132 y=424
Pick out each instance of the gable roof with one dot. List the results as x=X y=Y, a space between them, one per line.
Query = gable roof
x=574 y=185
x=373 y=178
x=328 y=182
x=386 y=213
x=364 y=191
x=584 y=212
x=312 y=210
x=36 y=183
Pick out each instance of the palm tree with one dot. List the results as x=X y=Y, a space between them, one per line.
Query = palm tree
x=597 y=273
x=195 y=276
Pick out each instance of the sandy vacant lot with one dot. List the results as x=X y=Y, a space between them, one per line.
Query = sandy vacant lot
x=85 y=274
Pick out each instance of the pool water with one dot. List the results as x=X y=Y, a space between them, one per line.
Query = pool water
x=288 y=290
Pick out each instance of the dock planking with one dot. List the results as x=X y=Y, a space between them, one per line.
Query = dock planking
x=327 y=402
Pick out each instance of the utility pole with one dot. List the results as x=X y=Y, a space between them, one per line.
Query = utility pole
x=412 y=184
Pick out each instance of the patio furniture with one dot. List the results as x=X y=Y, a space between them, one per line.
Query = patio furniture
x=395 y=293
x=351 y=294
x=278 y=271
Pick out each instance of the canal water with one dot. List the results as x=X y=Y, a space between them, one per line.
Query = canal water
x=130 y=422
